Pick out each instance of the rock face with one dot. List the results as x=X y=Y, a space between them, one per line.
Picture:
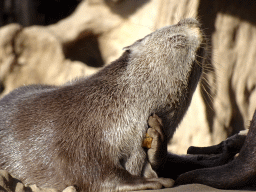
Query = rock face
x=227 y=91
x=33 y=55
x=10 y=184
x=96 y=32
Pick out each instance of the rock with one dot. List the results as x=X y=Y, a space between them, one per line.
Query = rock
x=115 y=24
x=34 y=55
x=7 y=58
x=10 y=184
x=70 y=189
x=34 y=188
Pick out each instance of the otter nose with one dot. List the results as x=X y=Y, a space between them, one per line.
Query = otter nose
x=191 y=22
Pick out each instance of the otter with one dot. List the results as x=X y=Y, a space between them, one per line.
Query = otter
x=89 y=132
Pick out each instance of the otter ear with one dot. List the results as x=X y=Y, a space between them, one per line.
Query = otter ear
x=133 y=45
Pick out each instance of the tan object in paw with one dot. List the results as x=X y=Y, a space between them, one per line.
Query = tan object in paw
x=147 y=142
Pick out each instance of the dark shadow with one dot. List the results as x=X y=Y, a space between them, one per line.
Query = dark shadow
x=46 y=12
x=85 y=50
x=2 y=15
x=125 y=8
x=35 y=12
x=237 y=121
x=207 y=14
x=2 y=189
x=243 y=9
x=55 y=10
x=1 y=87
x=13 y=184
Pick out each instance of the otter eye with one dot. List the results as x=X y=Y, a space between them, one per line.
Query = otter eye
x=178 y=41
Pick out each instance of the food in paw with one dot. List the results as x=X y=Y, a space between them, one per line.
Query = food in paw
x=147 y=142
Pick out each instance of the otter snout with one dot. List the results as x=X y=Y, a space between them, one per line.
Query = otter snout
x=191 y=22
x=194 y=26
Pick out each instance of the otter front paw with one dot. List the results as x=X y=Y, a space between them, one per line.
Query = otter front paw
x=155 y=123
x=158 y=150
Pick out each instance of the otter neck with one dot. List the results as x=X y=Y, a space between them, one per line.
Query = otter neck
x=156 y=86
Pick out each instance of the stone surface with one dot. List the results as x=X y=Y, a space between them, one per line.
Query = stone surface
x=11 y=184
x=34 y=55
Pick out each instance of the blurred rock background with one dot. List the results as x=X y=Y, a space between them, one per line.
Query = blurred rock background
x=54 y=41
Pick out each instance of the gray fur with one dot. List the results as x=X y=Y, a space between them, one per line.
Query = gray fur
x=89 y=132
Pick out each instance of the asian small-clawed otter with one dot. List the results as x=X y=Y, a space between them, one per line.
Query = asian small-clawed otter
x=89 y=133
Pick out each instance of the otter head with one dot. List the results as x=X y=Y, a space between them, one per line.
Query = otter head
x=174 y=46
x=175 y=51
x=173 y=56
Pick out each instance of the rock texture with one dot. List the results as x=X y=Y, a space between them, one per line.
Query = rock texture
x=227 y=92
x=34 y=55
x=96 y=32
x=10 y=184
